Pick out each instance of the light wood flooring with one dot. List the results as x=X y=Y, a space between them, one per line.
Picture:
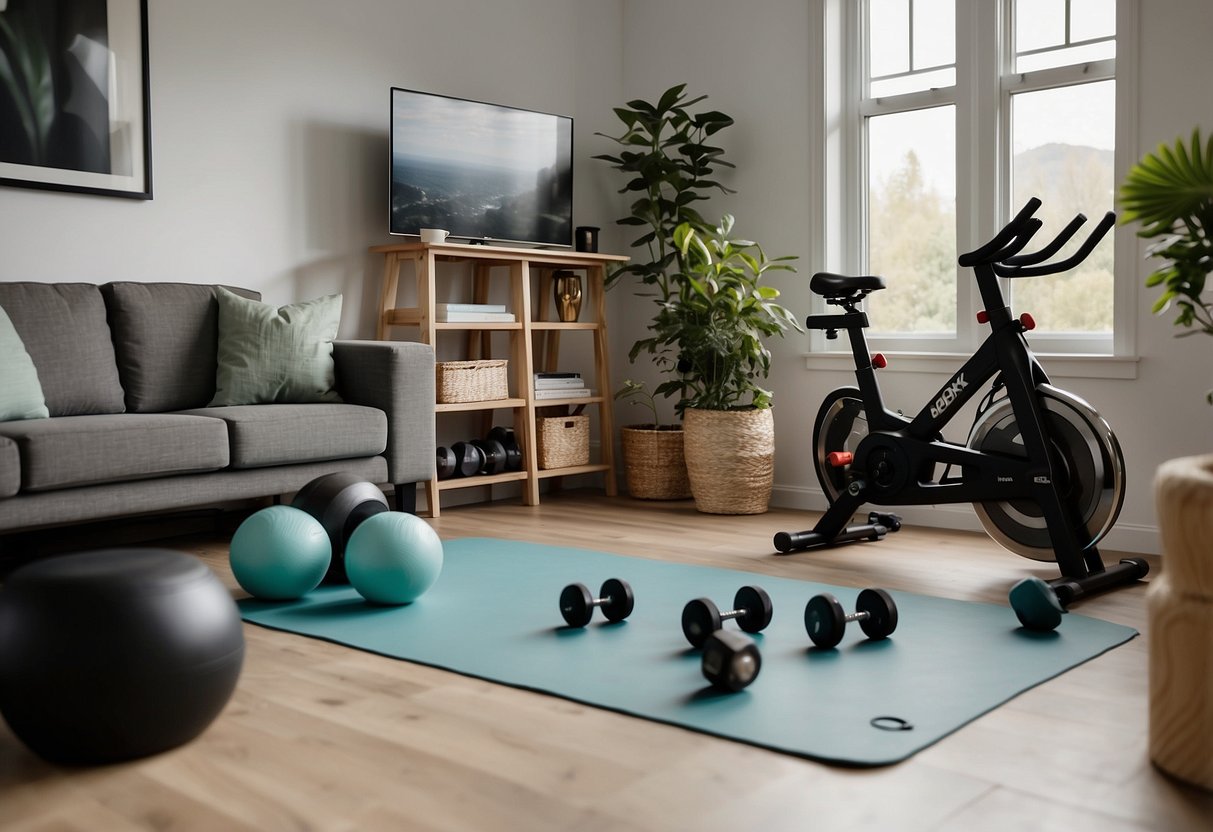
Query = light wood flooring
x=323 y=737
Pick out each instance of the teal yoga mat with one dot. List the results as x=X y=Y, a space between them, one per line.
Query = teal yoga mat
x=493 y=614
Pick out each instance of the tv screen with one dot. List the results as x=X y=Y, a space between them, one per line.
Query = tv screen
x=480 y=171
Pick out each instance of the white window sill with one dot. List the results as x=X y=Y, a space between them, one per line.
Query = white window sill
x=939 y=363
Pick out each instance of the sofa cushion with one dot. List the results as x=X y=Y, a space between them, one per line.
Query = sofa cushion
x=283 y=434
x=84 y=450
x=10 y=467
x=20 y=391
x=269 y=354
x=64 y=330
x=165 y=340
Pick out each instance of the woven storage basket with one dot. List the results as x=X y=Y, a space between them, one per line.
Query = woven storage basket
x=563 y=441
x=471 y=381
x=730 y=459
x=655 y=466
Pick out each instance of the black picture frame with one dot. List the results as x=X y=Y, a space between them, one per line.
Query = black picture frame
x=74 y=86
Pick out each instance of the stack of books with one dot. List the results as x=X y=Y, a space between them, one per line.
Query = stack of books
x=560 y=386
x=477 y=313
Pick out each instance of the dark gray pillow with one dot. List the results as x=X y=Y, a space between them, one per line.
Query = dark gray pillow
x=165 y=336
x=64 y=330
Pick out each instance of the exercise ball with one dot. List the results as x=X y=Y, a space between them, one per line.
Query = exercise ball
x=280 y=553
x=393 y=558
x=115 y=654
x=340 y=502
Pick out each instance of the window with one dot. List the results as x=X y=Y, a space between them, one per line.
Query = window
x=960 y=110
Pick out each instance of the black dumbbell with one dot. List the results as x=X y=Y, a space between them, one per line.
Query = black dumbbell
x=494 y=455
x=701 y=617
x=825 y=620
x=1036 y=605
x=468 y=459
x=509 y=441
x=615 y=598
x=446 y=463
x=730 y=660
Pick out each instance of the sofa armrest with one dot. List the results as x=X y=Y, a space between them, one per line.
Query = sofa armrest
x=398 y=378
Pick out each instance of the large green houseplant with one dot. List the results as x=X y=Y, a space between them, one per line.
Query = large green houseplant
x=1170 y=193
x=711 y=331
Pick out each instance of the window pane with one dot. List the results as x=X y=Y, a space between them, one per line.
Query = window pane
x=888 y=37
x=912 y=221
x=1066 y=57
x=1039 y=24
x=934 y=33
x=1092 y=19
x=1063 y=141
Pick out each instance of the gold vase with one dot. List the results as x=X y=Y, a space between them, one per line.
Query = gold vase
x=566 y=287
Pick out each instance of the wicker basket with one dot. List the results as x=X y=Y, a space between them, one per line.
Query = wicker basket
x=471 y=381
x=730 y=459
x=563 y=441
x=656 y=468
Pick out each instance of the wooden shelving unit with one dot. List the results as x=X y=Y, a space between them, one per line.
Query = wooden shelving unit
x=534 y=343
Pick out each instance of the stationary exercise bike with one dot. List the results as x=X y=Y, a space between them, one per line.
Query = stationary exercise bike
x=1041 y=467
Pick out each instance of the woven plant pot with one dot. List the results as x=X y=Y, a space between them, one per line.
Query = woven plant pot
x=730 y=459
x=654 y=463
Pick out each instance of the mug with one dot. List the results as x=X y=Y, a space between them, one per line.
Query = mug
x=434 y=235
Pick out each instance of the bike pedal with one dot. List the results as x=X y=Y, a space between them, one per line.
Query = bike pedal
x=838 y=459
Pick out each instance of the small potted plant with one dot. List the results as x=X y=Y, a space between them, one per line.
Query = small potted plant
x=653 y=459
x=711 y=333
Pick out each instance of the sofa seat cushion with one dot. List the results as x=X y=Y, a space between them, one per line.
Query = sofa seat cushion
x=284 y=434
x=64 y=329
x=166 y=338
x=10 y=467
x=69 y=451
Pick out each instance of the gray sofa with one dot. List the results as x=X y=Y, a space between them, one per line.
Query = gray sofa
x=127 y=371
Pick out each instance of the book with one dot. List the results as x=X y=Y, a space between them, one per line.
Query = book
x=474 y=317
x=564 y=393
x=469 y=307
x=557 y=383
x=556 y=375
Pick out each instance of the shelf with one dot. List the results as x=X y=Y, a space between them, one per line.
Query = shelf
x=558 y=326
x=545 y=473
x=578 y=400
x=481 y=479
x=492 y=404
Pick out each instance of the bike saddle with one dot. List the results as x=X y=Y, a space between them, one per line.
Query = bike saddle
x=830 y=285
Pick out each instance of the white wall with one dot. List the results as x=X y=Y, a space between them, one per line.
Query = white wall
x=754 y=60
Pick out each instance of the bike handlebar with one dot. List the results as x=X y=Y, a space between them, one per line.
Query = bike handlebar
x=1009 y=231
x=1011 y=270
x=1003 y=252
x=1049 y=250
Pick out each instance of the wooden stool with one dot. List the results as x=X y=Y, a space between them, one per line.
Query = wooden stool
x=1180 y=607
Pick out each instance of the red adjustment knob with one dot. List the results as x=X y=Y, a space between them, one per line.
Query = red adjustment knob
x=879 y=361
x=1027 y=321
x=982 y=317
x=837 y=459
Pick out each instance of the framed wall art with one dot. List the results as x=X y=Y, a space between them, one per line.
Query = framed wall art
x=74 y=96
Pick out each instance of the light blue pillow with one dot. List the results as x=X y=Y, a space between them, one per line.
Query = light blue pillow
x=269 y=355
x=20 y=391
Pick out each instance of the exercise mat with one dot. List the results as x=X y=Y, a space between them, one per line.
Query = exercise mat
x=494 y=614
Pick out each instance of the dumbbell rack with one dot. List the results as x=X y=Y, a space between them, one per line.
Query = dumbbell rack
x=534 y=342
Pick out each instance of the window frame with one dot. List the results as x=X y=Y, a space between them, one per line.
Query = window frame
x=984 y=60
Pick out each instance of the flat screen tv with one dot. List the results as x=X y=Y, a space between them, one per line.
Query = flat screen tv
x=483 y=172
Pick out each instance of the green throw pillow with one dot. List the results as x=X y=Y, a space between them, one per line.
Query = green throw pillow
x=20 y=391
x=275 y=355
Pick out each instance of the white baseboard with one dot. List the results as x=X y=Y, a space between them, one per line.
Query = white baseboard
x=1123 y=537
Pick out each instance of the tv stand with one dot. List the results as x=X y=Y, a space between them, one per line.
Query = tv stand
x=534 y=343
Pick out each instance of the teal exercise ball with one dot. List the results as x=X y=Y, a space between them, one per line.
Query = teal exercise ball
x=280 y=553
x=393 y=558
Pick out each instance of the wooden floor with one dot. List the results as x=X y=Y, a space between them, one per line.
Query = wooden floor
x=322 y=737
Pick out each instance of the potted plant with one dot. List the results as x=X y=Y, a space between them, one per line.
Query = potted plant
x=653 y=460
x=669 y=165
x=710 y=331
x=1170 y=192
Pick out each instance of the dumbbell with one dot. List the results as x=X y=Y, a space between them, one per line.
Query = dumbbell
x=730 y=660
x=494 y=455
x=509 y=441
x=701 y=617
x=825 y=620
x=446 y=462
x=1036 y=605
x=615 y=598
x=468 y=459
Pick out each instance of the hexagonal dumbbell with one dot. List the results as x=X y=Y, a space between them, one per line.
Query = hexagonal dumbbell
x=825 y=620
x=701 y=617
x=577 y=603
x=731 y=660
